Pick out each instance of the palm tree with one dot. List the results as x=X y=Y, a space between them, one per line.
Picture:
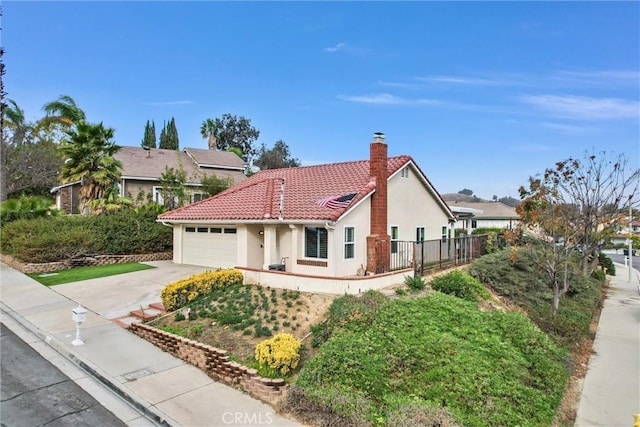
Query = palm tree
x=14 y=121
x=88 y=150
x=65 y=111
x=208 y=130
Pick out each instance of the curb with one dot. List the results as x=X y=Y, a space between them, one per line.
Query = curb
x=152 y=414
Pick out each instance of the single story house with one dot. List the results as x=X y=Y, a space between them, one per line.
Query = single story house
x=472 y=215
x=335 y=220
x=142 y=169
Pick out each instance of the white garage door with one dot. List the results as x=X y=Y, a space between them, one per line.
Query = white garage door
x=209 y=246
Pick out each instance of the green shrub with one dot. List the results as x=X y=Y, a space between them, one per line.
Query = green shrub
x=400 y=291
x=350 y=311
x=599 y=274
x=415 y=283
x=59 y=238
x=26 y=207
x=461 y=285
x=607 y=264
x=487 y=230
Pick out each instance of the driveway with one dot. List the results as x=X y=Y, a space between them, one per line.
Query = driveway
x=115 y=296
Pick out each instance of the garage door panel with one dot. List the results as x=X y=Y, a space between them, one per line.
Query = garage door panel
x=209 y=249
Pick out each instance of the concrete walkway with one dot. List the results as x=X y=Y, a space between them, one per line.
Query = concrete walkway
x=165 y=389
x=611 y=391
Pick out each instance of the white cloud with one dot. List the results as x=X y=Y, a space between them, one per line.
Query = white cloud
x=400 y=85
x=599 y=78
x=569 y=129
x=347 y=49
x=462 y=80
x=584 y=108
x=166 y=103
x=387 y=99
x=336 y=48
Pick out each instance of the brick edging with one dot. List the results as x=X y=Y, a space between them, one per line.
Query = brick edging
x=213 y=361
x=46 y=267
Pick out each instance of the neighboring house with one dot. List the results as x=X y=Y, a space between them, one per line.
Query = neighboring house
x=623 y=236
x=474 y=215
x=334 y=220
x=142 y=169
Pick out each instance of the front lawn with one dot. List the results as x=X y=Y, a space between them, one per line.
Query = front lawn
x=86 y=273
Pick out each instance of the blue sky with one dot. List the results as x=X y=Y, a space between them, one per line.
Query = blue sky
x=481 y=94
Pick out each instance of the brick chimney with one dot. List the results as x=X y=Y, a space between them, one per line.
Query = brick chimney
x=378 y=241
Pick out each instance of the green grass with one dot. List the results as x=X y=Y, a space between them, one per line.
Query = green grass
x=86 y=273
x=439 y=351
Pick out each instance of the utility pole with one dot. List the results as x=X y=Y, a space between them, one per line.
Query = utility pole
x=630 y=240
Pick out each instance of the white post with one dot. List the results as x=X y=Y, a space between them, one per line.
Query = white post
x=78 y=315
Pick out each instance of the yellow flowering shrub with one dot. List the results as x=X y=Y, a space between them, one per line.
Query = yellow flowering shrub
x=281 y=353
x=178 y=294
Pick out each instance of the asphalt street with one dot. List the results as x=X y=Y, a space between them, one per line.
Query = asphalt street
x=36 y=393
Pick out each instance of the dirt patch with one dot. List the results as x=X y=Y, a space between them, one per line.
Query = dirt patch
x=239 y=317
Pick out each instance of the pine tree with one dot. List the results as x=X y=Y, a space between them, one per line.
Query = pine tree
x=164 y=141
x=172 y=135
x=149 y=139
x=153 y=132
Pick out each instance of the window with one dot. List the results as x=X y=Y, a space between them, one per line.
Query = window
x=203 y=230
x=230 y=231
x=216 y=230
x=315 y=242
x=444 y=233
x=405 y=172
x=196 y=197
x=190 y=229
x=158 y=197
x=419 y=234
x=474 y=223
x=394 y=239
x=349 y=242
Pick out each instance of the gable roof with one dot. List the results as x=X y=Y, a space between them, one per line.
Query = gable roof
x=150 y=164
x=303 y=189
x=490 y=210
x=206 y=158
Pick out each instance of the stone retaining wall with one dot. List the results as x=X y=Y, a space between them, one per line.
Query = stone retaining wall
x=47 y=267
x=213 y=361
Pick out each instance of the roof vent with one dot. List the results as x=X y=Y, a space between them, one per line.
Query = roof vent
x=379 y=137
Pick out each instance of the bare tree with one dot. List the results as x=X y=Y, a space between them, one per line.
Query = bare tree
x=573 y=208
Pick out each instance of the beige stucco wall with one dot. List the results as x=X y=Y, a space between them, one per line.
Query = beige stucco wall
x=133 y=187
x=359 y=219
x=177 y=243
x=411 y=206
x=325 y=285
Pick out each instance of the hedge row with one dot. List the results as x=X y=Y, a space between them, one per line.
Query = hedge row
x=59 y=238
x=178 y=294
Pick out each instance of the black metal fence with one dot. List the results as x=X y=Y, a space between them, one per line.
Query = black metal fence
x=430 y=255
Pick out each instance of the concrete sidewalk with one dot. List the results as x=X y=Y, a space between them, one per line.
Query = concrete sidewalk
x=611 y=391
x=165 y=389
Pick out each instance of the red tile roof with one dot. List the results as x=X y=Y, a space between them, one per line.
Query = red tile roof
x=258 y=198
